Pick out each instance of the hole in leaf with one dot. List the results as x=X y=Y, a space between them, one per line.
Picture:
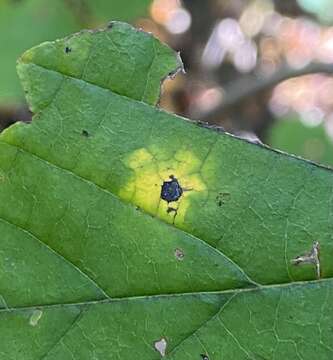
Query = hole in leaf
x=311 y=257
x=179 y=254
x=160 y=346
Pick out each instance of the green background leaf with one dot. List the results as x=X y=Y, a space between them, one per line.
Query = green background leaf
x=17 y=35
x=117 y=9
x=209 y=274
x=311 y=143
x=24 y=24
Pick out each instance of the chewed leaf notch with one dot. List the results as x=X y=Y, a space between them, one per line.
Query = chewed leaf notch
x=132 y=66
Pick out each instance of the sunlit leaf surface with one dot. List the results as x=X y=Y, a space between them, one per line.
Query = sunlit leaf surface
x=130 y=233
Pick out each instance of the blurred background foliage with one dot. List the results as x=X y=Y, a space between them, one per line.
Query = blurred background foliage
x=261 y=69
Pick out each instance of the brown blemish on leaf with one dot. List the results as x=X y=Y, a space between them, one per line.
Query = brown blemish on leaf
x=311 y=257
x=85 y=133
x=68 y=50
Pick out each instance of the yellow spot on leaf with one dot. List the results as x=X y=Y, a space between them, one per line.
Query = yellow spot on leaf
x=150 y=169
x=141 y=157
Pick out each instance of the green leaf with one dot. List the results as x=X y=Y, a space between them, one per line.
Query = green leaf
x=118 y=9
x=24 y=24
x=94 y=264
x=313 y=143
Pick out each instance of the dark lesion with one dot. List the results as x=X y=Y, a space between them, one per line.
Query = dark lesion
x=171 y=190
x=222 y=198
x=171 y=209
x=68 y=50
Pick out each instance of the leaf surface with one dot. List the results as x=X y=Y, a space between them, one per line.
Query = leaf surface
x=96 y=264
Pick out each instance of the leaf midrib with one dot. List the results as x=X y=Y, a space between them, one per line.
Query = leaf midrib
x=110 y=300
x=56 y=253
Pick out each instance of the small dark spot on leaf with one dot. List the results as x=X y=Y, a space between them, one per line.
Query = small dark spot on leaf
x=171 y=190
x=171 y=209
x=204 y=357
x=179 y=254
x=222 y=198
x=110 y=25
x=85 y=133
x=67 y=49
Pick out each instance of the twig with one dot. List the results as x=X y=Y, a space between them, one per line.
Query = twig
x=252 y=85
